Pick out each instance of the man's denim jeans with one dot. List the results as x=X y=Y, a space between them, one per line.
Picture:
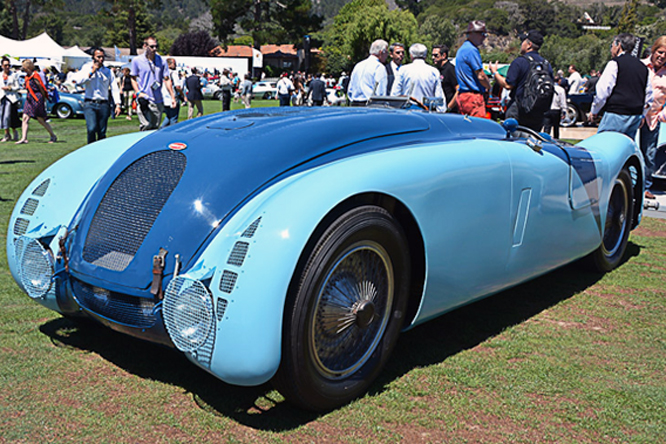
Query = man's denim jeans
x=97 y=116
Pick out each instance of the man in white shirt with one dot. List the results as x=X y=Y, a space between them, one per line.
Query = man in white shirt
x=369 y=76
x=551 y=118
x=575 y=80
x=624 y=90
x=418 y=79
x=98 y=81
x=284 y=89
x=225 y=86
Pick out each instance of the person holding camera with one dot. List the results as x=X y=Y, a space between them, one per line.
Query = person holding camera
x=98 y=80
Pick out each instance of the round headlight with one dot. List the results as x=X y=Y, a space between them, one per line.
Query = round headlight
x=35 y=266
x=188 y=313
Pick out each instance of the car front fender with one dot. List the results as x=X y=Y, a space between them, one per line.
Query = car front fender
x=53 y=197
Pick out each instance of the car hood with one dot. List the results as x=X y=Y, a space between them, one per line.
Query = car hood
x=174 y=188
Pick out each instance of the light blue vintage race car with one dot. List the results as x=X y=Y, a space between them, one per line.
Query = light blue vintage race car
x=294 y=245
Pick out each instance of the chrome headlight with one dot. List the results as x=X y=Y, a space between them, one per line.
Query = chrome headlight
x=35 y=266
x=188 y=313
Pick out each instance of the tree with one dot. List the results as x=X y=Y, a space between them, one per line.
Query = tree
x=628 y=20
x=197 y=43
x=132 y=18
x=439 y=31
x=361 y=22
x=276 y=21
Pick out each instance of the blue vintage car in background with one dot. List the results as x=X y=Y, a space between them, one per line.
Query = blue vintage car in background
x=294 y=245
x=67 y=105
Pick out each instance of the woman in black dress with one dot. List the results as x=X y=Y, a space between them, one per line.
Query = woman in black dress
x=35 y=102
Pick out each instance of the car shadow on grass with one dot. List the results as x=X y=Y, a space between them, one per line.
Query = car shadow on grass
x=263 y=408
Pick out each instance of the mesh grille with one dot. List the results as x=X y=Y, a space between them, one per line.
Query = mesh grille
x=29 y=206
x=124 y=309
x=237 y=256
x=249 y=231
x=41 y=188
x=228 y=281
x=188 y=313
x=21 y=226
x=129 y=209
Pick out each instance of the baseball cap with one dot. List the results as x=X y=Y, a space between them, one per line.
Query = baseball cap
x=533 y=36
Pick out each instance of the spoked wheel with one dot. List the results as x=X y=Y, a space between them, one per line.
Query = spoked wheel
x=618 y=224
x=343 y=318
x=569 y=117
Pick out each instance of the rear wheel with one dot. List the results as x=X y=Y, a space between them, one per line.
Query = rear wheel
x=63 y=111
x=618 y=224
x=345 y=310
x=267 y=96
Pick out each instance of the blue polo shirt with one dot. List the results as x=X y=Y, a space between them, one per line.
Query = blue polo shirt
x=468 y=61
x=148 y=73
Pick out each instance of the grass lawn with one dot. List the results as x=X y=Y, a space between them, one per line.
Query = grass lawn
x=571 y=357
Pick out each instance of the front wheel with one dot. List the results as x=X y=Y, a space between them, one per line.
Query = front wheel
x=569 y=117
x=618 y=224
x=345 y=310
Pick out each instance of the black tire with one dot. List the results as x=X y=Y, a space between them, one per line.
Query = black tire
x=345 y=310
x=217 y=95
x=267 y=96
x=63 y=111
x=618 y=225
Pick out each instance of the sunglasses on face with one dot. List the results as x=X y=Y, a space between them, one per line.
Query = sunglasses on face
x=152 y=46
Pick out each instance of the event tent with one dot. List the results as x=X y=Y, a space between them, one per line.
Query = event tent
x=41 y=46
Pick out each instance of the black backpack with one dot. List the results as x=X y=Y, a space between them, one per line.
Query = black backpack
x=539 y=87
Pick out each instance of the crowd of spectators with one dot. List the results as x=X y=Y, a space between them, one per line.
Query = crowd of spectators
x=629 y=92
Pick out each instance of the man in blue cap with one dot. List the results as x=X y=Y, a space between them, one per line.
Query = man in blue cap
x=517 y=77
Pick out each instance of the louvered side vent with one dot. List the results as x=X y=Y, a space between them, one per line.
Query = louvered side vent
x=249 y=231
x=41 y=188
x=29 y=207
x=238 y=253
x=228 y=281
x=221 y=308
x=130 y=207
x=21 y=226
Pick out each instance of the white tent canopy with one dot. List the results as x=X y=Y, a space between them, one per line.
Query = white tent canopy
x=74 y=57
x=41 y=46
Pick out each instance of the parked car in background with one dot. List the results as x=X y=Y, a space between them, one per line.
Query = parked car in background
x=578 y=106
x=265 y=89
x=211 y=91
x=336 y=96
x=68 y=105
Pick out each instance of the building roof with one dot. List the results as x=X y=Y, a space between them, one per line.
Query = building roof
x=246 y=51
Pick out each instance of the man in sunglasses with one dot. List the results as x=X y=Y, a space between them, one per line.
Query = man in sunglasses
x=148 y=73
x=472 y=80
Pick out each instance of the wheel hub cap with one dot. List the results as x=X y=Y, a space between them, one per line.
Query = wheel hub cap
x=365 y=313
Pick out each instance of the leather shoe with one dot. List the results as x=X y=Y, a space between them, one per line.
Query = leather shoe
x=649 y=195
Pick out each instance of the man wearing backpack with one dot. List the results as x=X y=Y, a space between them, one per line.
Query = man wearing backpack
x=530 y=80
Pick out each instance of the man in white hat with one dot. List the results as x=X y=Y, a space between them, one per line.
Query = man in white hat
x=472 y=81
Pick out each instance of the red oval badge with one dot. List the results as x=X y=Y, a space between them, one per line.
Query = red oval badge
x=177 y=146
